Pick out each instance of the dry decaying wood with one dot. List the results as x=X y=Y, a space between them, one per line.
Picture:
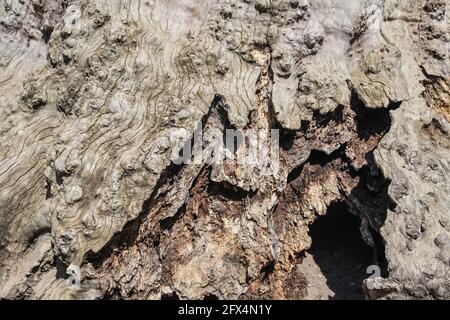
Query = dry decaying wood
x=97 y=96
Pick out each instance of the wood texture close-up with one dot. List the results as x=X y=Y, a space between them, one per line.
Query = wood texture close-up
x=96 y=98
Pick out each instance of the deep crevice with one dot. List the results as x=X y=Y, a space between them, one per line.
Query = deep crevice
x=370 y=198
x=340 y=252
x=217 y=115
x=210 y=296
x=317 y=157
x=228 y=191
x=60 y=175
x=267 y=269
x=371 y=121
x=322 y=120
x=48 y=189
x=46 y=33
x=170 y=296
x=380 y=253
x=37 y=234
x=166 y=224
x=60 y=269
x=129 y=233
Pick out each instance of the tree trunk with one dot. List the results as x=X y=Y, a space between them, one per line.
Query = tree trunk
x=251 y=149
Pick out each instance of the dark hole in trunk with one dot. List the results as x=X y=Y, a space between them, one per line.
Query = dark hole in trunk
x=340 y=252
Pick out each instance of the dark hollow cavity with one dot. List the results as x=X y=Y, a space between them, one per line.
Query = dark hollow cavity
x=340 y=252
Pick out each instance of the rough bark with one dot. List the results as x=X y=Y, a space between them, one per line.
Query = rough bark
x=93 y=92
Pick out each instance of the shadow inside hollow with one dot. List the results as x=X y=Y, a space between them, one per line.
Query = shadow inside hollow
x=340 y=252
